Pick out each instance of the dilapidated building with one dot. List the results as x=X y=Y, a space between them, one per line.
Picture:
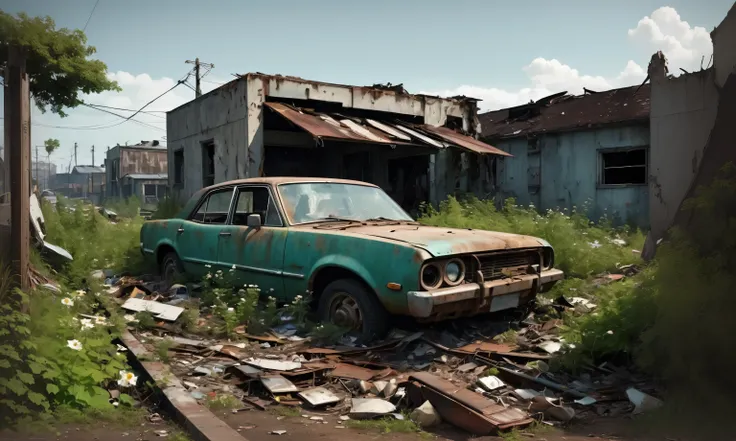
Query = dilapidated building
x=416 y=147
x=590 y=150
x=137 y=170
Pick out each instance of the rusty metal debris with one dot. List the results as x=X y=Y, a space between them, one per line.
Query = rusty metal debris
x=457 y=375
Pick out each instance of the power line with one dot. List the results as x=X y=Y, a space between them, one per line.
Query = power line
x=149 y=112
x=90 y=15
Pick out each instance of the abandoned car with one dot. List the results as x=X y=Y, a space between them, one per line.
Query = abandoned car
x=350 y=245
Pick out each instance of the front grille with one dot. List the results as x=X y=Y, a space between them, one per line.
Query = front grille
x=500 y=265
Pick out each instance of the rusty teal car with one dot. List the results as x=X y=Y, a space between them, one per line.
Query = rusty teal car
x=350 y=245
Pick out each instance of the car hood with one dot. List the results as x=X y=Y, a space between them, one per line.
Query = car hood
x=447 y=241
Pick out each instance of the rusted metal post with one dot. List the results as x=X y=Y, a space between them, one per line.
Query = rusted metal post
x=18 y=128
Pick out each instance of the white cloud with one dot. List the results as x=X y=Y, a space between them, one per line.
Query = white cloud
x=663 y=30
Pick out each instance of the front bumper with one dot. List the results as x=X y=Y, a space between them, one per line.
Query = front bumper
x=475 y=298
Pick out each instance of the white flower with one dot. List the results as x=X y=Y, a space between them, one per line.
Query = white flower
x=230 y=309
x=127 y=379
x=208 y=266
x=219 y=271
x=67 y=301
x=208 y=276
x=87 y=323
x=80 y=293
x=122 y=348
x=594 y=244
x=129 y=318
x=74 y=344
x=233 y=267
x=271 y=290
x=609 y=332
x=99 y=320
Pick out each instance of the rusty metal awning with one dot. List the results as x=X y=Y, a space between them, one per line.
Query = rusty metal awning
x=342 y=128
x=464 y=141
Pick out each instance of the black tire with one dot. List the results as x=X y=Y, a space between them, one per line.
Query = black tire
x=374 y=317
x=171 y=268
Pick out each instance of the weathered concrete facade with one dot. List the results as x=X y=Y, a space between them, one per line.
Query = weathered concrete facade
x=685 y=113
x=584 y=152
x=232 y=132
x=146 y=158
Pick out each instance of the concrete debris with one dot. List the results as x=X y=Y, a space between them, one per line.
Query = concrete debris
x=641 y=401
x=366 y=408
x=425 y=416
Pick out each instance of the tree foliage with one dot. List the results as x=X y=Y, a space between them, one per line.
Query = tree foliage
x=51 y=145
x=58 y=63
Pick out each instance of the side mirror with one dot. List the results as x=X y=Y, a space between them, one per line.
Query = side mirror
x=253 y=221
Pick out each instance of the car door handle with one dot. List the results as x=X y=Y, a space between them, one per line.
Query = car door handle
x=180 y=230
x=225 y=233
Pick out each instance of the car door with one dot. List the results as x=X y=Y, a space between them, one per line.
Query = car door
x=256 y=252
x=198 y=236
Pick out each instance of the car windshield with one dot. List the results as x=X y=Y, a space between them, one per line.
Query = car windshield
x=318 y=201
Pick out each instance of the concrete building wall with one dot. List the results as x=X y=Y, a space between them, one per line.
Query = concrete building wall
x=683 y=111
x=221 y=117
x=724 y=55
x=232 y=118
x=563 y=171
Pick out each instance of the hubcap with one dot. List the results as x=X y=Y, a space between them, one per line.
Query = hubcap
x=345 y=312
x=169 y=271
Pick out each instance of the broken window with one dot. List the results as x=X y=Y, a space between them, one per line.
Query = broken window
x=149 y=190
x=179 y=166
x=624 y=167
x=215 y=208
x=256 y=200
x=208 y=164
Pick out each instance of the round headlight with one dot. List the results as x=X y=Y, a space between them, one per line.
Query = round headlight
x=454 y=272
x=431 y=276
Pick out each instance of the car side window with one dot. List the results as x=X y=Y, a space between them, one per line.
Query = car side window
x=256 y=200
x=215 y=208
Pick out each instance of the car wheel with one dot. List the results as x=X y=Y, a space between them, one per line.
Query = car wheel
x=349 y=304
x=171 y=268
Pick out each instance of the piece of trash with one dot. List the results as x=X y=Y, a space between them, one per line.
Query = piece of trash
x=159 y=310
x=318 y=396
x=273 y=365
x=467 y=367
x=316 y=418
x=641 y=401
x=155 y=418
x=277 y=432
x=390 y=389
x=526 y=394
x=550 y=346
x=587 y=401
x=378 y=387
x=425 y=415
x=197 y=395
x=161 y=433
x=199 y=370
x=370 y=407
x=491 y=382
x=265 y=345
x=247 y=427
x=277 y=384
x=344 y=417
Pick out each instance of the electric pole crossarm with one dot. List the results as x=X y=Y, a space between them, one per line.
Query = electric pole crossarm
x=198 y=65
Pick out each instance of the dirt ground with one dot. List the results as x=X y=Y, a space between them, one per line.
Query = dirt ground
x=258 y=425
x=145 y=431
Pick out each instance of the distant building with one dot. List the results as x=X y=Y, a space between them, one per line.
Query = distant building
x=572 y=151
x=137 y=170
x=84 y=181
x=41 y=172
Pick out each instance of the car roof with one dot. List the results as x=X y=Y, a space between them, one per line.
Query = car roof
x=277 y=180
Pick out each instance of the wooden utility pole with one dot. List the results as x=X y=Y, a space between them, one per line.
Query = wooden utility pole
x=75 y=154
x=198 y=65
x=92 y=175
x=18 y=126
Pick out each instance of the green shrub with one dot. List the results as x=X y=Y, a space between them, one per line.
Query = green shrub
x=167 y=208
x=581 y=247
x=124 y=208
x=93 y=241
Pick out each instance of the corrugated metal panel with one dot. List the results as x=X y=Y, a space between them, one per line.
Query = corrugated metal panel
x=153 y=176
x=388 y=129
x=87 y=169
x=464 y=141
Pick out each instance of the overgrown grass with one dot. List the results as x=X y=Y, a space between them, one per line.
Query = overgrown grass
x=124 y=208
x=92 y=240
x=582 y=248
x=167 y=208
x=388 y=425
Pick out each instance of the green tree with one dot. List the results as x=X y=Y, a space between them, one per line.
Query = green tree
x=57 y=61
x=51 y=145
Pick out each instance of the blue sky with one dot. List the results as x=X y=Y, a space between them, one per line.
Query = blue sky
x=502 y=52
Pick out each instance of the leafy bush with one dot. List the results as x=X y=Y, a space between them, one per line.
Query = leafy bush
x=581 y=247
x=167 y=208
x=50 y=357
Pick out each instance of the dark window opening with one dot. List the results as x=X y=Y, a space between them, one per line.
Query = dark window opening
x=357 y=166
x=215 y=208
x=624 y=167
x=179 y=166
x=149 y=190
x=256 y=200
x=208 y=164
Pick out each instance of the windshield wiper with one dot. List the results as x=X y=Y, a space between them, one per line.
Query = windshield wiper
x=381 y=218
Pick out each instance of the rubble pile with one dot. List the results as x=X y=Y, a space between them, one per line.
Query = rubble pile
x=458 y=375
